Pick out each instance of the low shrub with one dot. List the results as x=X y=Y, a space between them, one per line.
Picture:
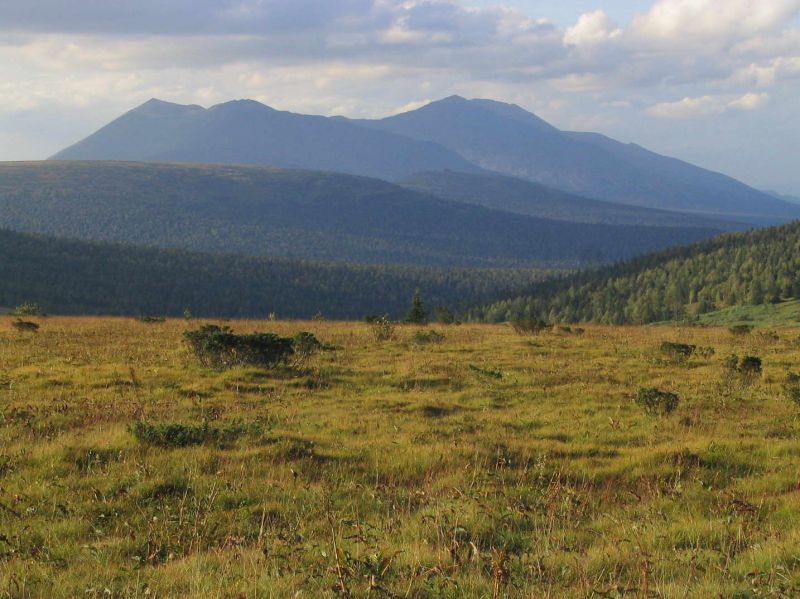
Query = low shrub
x=705 y=352
x=219 y=347
x=529 y=326
x=656 y=401
x=170 y=435
x=747 y=369
x=151 y=319
x=740 y=330
x=677 y=352
x=25 y=326
x=750 y=367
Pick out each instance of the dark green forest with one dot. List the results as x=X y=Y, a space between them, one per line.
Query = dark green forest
x=74 y=277
x=260 y=211
x=751 y=268
x=526 y=197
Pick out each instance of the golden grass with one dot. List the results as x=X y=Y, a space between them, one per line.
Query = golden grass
x=487 y=465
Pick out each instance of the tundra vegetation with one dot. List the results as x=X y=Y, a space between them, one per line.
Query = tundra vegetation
x=477 y=462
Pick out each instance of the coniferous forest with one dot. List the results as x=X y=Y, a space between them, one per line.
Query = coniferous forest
x=75 y=277
x=751 y=268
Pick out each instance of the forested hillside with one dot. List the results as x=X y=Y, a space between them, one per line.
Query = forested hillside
x=751 y=268
x=261 y=211
x=72 y=277
x=511 y=194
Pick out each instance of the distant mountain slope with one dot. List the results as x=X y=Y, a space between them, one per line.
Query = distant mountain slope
x=738 y=269
x=273 y=212
x=511 y=194
x=508 y=140
x=247 y=132
x=74 y=277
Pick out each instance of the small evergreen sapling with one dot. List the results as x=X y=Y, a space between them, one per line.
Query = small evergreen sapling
x=417 y=314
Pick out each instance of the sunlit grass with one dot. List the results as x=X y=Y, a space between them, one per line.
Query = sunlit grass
x=486 y=464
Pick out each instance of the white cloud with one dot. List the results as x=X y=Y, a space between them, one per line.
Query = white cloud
x=692 y=108
x=592 y=28
x=750 y=101
x=712 y=21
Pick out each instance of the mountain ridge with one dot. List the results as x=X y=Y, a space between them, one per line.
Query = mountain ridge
x=588 y=164
x=260 y=211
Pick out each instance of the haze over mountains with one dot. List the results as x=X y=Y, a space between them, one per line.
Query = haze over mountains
x=247 y=132
x=470 y=136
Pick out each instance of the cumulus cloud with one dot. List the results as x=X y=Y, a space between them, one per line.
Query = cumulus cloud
x=690 y=108
x=592 y=28
x=712 y=21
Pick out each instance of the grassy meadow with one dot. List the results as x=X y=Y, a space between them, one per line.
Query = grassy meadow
x=482 y=464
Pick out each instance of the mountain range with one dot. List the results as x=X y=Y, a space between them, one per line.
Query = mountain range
x=240 y=207
x=469 y=136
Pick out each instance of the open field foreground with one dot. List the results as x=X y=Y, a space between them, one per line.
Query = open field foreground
x=484 y=464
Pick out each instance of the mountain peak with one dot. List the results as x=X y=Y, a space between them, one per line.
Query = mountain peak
x=154 y=106
x=461 y=107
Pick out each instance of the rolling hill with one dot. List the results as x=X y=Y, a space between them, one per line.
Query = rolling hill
x=506 y=139
x=520 y=196
x=260 y=211
x=75 y=277
x=735 y=270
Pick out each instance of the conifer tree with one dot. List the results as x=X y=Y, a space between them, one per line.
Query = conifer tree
x=417 y=314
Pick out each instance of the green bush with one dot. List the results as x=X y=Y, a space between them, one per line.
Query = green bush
x=25 y=326
x=750 y=367
x=740 y=330
x=677 y=352
x=173 y=434
x=656 y=401
x=705 y=352
x=219 y=347
x=747 y=369
x=528 y=325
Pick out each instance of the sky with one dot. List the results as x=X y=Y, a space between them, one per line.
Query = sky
x=715 y=82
